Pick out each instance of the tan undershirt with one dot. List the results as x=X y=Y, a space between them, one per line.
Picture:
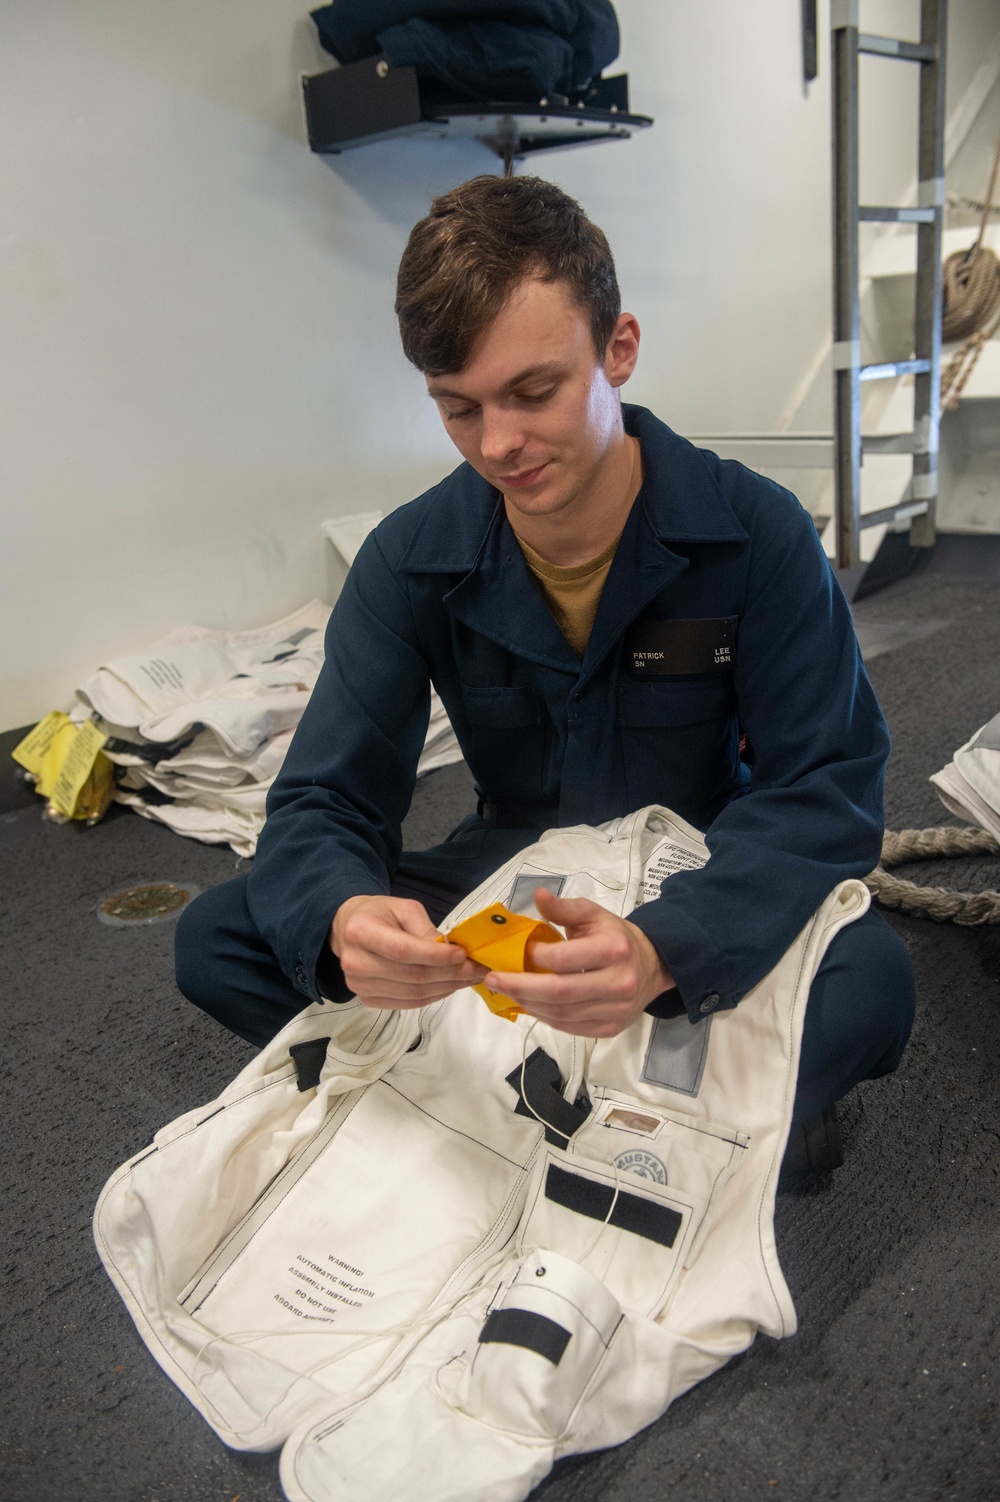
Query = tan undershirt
x=572 y=594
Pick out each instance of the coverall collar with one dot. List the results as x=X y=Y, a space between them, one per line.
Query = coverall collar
x=680 y=501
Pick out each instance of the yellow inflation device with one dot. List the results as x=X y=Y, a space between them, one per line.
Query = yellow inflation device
x=499 y=939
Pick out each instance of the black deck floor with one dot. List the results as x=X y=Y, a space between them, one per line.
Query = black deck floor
x=890 y=1391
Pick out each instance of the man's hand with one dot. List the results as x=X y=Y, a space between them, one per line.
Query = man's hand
x=604 y=975
x=389 y=955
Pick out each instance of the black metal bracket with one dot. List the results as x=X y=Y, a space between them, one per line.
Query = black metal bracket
x=371 y=101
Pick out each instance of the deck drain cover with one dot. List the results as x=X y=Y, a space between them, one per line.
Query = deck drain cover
x=153 y=903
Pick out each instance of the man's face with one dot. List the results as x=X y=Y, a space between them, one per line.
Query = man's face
x=533 y=410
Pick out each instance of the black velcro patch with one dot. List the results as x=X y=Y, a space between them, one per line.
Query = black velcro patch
x=631 y=1212
x=309 y=1059
x=668 y=649
x=545 y=1101
x=522 y=1327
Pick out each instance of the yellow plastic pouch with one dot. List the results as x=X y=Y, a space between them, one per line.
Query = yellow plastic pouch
x=78 y=763
x=499 y=939
x=68 y=766
x=98 y=792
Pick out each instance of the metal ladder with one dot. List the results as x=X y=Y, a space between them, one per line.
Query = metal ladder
x=918 y=505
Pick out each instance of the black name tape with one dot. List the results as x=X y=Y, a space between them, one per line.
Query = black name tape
x=668 y=649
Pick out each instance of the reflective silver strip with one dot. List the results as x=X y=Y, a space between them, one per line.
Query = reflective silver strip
x=931 y=193
x=924 y=487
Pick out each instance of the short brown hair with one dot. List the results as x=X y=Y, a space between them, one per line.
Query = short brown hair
x=477 y=243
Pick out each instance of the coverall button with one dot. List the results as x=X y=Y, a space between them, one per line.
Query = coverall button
x=709 y=1002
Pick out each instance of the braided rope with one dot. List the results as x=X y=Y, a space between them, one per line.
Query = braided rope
x=925 y=844
x=969 y=909
x=970 y=290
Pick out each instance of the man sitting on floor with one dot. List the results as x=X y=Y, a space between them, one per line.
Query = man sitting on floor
x=612 y=618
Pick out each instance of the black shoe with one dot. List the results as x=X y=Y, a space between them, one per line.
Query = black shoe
x=814 y=1147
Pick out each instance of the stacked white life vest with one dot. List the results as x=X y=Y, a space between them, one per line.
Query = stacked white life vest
x=201 y=721
x=430 y=1252
x=970 y=784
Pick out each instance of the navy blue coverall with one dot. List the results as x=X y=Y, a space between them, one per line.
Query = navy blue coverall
x=440 y=592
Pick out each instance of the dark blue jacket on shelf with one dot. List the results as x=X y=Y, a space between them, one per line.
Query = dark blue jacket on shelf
x=441 y=592
x=527 y=50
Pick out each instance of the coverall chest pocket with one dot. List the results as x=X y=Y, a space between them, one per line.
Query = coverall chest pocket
x=509 y=740
x=679 y=739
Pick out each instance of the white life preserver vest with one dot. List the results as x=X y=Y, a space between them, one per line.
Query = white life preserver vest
x=369 y=1248
x=969 y=785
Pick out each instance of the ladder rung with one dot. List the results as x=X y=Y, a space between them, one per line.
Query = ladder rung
x=875 y=215
x=802 y=450
x=889 y=443
x=923 y=440
x=892 y=368
x=771 y=450
x=891 y=514
x=909 y=52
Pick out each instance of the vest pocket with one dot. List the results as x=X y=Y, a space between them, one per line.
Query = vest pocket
x=630 y=1233
x=692 y=1157
x=541 y=1344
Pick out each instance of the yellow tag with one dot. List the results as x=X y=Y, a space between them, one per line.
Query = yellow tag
x=498 y=939
x=32 y=750
x=97 y=793
x=55 y=755
x=78 y=762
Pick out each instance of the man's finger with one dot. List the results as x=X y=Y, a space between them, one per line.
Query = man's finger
x=568 y=912
x=412 y=917
x=593 y=952
x=554 y=990
x=396 y=927
x=394 y=993
x=373 y=933
x=598 y=1026
x=375 y=968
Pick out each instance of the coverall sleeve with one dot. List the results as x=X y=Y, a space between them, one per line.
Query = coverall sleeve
x=812 y=816
x=335 y=811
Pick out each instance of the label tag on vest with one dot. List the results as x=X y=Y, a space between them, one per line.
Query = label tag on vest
x=669 y=649
x=664 y=861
